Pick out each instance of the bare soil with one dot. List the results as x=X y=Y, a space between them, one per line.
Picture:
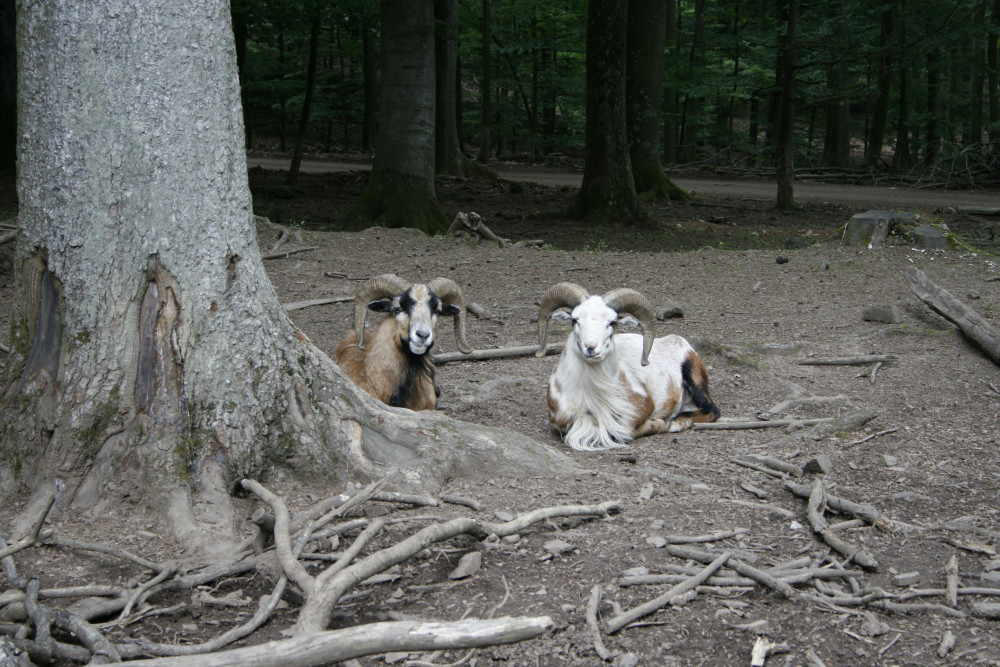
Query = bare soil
x=761 y=292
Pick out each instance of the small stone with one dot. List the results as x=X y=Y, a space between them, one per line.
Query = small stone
x=656 y=541
x=504 y=516
x=818 y=465
x=636 y=571
x=822 y=266
x=781 y=259
x=890 y=460
x=468 y=565
x=885 y=314
x=557 y=547
x=511 y=539
x=669 y=310
x=700 y=487
x=394 y=657
x=628 y=660
x=906 y=578
x=646 y=492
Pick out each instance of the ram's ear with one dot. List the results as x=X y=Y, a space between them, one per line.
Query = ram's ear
x=380 y=306
x=450 y=310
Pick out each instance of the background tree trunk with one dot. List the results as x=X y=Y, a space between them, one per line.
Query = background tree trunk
x=784 y=133
x=8 y=86
x=370 y=68
x=484 y=87
x=172 y=372
x=300 y=137
x=400 y=190
x=647 y=22
x=607 y=193
x=449 y=160
x=880 y=114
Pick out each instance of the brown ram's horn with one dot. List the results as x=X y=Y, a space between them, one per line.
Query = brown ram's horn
x=625 y=300
x=560 y=295
x=380 y=287
x=449 y=292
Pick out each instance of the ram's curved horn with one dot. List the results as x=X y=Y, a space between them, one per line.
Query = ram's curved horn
x=449 y=292
x=560 y=295
x=625 y=300
x=380 y=287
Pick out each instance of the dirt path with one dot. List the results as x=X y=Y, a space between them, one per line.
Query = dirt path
x=758 y=189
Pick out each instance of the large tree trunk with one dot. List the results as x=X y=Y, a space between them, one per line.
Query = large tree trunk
x=150 y=356
x=647 y=22
x=607 y=193
x=400 y=190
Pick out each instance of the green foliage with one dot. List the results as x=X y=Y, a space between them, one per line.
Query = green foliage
x=720 y=71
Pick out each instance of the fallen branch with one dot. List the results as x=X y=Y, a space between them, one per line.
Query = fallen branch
x=972 y=325
x=735 y=564
x=8 y=237
x=817 y=499
x=620 y=621
x=866 y=512
x=286 y=253
x=299 y=305
x=595 y=630
x=873 y=435
x=498 y=353
x=848 y=361
x=473 y=223
x=739 y=425
x=338 y=645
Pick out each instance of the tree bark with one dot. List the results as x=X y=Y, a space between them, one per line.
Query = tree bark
x=150 y=356
x=646 y=42
x=400 y=191
x=607 y=193
x=369 y=73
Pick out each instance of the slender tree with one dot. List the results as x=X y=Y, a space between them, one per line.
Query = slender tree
x=644 y=97
x=485 y=93
x=150 y=358
x=8 y=86
x=837 y=137
x=400 y=191
x=883 y=77
x=607 y=193
x=784 y=133
x=300 y=137
x=448 y=160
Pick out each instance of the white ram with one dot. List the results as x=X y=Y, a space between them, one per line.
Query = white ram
x=609 y=389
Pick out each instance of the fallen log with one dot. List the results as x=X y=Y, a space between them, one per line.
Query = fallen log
x=498 y=353
x=972 y=325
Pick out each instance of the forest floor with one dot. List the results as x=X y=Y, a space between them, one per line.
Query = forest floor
x=761 y=292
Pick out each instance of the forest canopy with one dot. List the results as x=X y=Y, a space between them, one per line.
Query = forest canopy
x=905 y=87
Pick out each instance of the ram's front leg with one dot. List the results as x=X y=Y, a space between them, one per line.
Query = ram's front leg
x=651 y=427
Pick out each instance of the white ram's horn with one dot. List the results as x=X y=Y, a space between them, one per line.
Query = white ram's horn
x=380 y=287
x=625 y=300
x=449 y=292
x=560 y=295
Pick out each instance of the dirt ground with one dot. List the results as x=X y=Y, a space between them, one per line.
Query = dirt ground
x=761 y=293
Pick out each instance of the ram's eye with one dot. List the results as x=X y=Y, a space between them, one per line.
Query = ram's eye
x=574 y=321
x=614 y=323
